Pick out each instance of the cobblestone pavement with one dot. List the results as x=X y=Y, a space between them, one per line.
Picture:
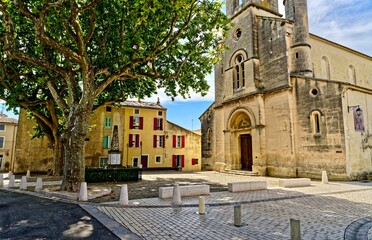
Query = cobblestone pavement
x=325 y=212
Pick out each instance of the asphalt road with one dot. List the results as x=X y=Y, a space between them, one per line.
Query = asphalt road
x=28 y=217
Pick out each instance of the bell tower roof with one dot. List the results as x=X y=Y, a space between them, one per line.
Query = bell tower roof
x=234 y=6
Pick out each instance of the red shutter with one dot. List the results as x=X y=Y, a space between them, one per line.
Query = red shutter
x=131 y=122
x=183 y=160
x=183 y=141
x=174 y=140
x=193 y=161
x=155 y=124
x=163 y=141
x=155 y=141
x=130 y=140
x=141 y=123
x=137 y=140
x=174 y=161
x=161 y=124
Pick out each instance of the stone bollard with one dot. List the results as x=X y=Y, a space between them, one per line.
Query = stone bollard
x=176 y=201
x=28 y=174
x=10 y=174
x=23 y=184
x=83 y=194
x=1 y=180
x=123 y=200
x=201 y=205
x=39 y=184
x=237 y=216
x=11 y=181
x=295 y=229
x=324 y=177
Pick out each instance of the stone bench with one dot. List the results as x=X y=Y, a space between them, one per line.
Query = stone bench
x=246 y=186
x=294 y=182
x=189 y=190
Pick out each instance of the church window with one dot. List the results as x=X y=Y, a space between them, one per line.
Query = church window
x=325 y=69
x=352 y=75
x=237 y=34
x=236 y=3
x=314 y=92
x=239 y=78
x=209 y=138
x=316 y=122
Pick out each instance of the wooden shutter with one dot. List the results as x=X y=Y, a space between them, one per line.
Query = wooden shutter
x=154 y=141
x=183 y=160
x=161 y=123
x=163 y=141
x=104 y=142
x=174 y=140
x=183 y=141
x=130 y=140
x=155 y=124
x=141 y=123
x=131 y=122
x=174 y=161
x=137 y=140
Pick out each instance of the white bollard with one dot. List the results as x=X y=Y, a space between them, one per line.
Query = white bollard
x=237 y=216
x=10 y=174
x=28 y=174
x=23 y=184
x=39 y=184
x=324 y=177
x=83 y=194
x=176 y=201
x=123 y=200
x=201 y=205
x=11 y=181
x=295 y=229
x=1 y=180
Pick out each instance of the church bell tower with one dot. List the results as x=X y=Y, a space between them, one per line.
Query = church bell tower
x=296 y=11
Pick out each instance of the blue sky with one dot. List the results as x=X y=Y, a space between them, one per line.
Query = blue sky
x=347 y=22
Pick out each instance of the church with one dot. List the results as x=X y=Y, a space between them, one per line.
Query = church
x=287 y=103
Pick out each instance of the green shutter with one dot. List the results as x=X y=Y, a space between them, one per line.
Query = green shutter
x=108 y=122
x=106 y=142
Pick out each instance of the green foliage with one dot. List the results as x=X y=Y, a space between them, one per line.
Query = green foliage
x=94 y=175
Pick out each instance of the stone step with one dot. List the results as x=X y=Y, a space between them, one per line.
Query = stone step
x=241 y=172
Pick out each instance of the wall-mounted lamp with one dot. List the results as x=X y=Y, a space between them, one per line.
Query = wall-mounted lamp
x=358 y=110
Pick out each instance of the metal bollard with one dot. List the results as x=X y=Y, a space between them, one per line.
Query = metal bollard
x=295 y=229
x=237 y=215
x=201 y=205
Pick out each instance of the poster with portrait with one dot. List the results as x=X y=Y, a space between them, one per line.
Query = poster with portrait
x=358 y=119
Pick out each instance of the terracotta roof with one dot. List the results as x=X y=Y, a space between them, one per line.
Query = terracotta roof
x=142 y=104
x=5 y=119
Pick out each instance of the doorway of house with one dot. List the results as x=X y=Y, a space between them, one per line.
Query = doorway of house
x=246 y=152
x=144 y=160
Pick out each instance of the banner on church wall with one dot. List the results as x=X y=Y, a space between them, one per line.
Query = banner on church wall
x=358 y=119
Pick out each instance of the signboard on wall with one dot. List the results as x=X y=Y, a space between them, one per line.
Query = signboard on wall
x=358 y=119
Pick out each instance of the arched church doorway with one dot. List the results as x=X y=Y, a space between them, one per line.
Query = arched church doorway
x=246 y=152
x=241 y=143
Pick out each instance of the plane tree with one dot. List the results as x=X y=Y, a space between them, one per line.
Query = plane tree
x=88 y=49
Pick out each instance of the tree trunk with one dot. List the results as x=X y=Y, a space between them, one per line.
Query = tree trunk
x=73 y=146
x=58 y=155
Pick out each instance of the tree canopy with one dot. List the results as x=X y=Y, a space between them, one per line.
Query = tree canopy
x=82 y=53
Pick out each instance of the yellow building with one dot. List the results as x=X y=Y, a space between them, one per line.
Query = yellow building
x=130 y=134
x=8 y=130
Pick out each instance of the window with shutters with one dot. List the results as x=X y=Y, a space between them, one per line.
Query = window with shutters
x=2 y=142
x=178 y=141
x=136 y=122
x=194 y=161
x=159 y=141
x=108 y=122
x=158 y=123
x=134 y=140
x=106 y=142
x=178 y=161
